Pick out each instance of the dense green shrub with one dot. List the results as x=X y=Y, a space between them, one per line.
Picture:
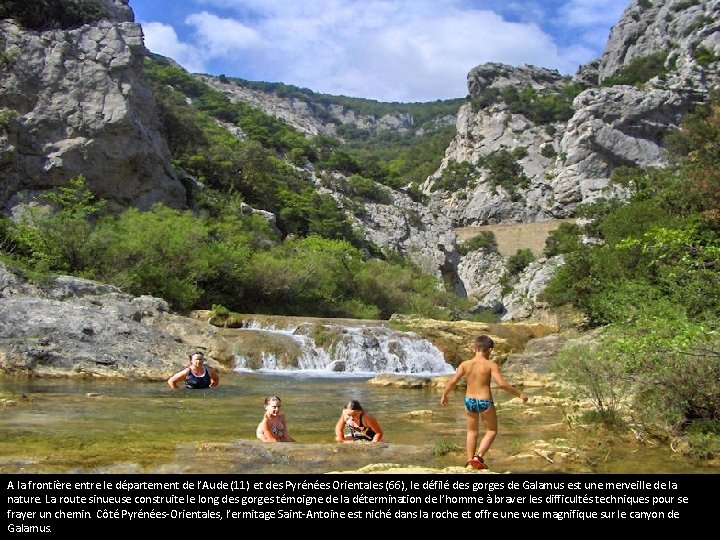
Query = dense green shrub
x=52 y=14
x=640 y=70
x=684 y=396
x=403 y=288
x=359 y=188
x=505 y=171
x=415 y=193
x=684 y=4
x=7 y=244
x=518 y=262
x=458 y=175
x=483 y=99
x=310 y=274
x=341 y=161
x=548 y=151
x=565 y=239
x=163 y=252
x=485 y=240
x=398 y=159
x=704 y=56
x=53 y=237
x=226 y=259
x=541 y=107
x=514 y=265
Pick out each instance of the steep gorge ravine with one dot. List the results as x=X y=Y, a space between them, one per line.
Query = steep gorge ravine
x=116 y=349
x=60 y=123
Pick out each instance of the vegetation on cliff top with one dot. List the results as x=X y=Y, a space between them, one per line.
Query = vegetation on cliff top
x=52 y=14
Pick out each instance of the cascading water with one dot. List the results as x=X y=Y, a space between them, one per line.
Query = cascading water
x=335 y=349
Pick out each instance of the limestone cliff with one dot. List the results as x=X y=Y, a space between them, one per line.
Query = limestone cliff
x=562 y=164
x=74 y=102
x=567 y=163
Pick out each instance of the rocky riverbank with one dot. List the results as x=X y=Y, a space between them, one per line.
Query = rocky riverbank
x=71 y=327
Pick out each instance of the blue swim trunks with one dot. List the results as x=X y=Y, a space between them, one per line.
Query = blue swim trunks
x=477 y=405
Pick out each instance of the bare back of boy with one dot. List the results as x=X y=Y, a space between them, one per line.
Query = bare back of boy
x=478 y=373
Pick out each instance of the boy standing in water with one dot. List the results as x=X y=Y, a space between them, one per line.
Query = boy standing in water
x=478 y=371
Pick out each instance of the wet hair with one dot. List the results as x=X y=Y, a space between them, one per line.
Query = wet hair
x=484 y=343
x=353 y=405
x=272 y=398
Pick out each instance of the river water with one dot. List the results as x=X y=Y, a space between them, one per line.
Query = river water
x=70 y=426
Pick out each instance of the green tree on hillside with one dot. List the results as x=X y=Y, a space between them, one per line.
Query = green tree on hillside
x=648 y=275
x=54 y=236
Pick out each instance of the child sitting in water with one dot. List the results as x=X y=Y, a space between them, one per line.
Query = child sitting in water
x=360 y=425
x=273 y=428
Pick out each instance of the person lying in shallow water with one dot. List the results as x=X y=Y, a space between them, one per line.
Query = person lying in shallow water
x=273 y=427
x=197 y=374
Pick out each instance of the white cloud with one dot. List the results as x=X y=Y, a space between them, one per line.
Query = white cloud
x=222 y=37
x=391 y=50
x=162 y=39
x=593 y=12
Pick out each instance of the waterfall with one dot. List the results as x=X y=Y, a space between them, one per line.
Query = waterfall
x=335 y=348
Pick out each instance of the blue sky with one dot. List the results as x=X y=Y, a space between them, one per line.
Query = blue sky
x=388 y=50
